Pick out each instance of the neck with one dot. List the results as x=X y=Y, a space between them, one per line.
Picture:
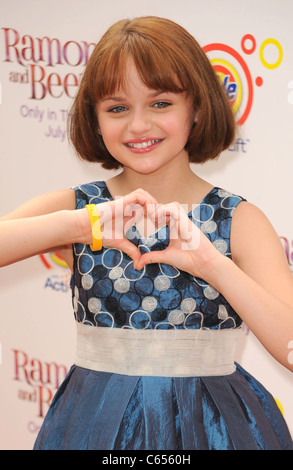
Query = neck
x=166 y=185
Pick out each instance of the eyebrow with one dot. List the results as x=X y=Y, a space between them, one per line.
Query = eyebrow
x=119 y=99
x=112 y=98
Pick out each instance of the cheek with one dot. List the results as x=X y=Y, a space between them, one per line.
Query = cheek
x=109 y=132
x=179 y=128
x=180 y=119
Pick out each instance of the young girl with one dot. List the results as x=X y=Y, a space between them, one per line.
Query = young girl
x=160 y=288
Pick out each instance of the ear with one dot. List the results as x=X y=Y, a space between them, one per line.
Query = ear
x=194 y=119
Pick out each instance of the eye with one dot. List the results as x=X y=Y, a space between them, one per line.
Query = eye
x=117 y=109
x=162 y=104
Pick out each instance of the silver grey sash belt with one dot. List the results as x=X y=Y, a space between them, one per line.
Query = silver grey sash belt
x=165 y=353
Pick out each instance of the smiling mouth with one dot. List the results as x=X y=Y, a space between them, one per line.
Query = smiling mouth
x=143 y=145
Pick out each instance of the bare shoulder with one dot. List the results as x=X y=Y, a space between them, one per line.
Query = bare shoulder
x=256 y=248
x=252 y=232
x=44 y=204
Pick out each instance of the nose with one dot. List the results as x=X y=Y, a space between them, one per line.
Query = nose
x=139 y=122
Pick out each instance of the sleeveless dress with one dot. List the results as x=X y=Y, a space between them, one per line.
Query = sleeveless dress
x=100 y=407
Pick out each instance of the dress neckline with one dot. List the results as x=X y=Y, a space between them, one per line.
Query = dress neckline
x=212 y=190
x=164 y=227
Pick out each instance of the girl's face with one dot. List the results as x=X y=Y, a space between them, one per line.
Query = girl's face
x=144 y=129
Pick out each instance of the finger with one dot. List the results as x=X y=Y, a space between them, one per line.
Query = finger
x=133 y=211
x=167 y=211
x=150 y=258
x=131 y=250
x=140 y=197
x=181 y=227
x=159 y=215
x=169 y=215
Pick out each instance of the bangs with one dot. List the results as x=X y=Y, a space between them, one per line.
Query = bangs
x=156 y=69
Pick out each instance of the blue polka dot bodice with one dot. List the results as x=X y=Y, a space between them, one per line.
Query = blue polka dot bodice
x=108 y=292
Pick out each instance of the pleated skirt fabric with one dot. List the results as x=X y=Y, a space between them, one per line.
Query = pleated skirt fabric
x=105 y=411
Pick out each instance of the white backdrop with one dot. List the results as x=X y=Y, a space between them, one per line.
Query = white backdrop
x=250 y=43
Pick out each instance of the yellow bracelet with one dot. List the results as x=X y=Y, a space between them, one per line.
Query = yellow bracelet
x=96 y=227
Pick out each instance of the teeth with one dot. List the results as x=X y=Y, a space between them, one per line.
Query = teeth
x=143 y=145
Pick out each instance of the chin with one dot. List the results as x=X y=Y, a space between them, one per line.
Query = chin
x=144 y=169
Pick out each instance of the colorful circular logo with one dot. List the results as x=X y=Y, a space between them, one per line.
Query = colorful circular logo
x=280 y=406
x=52 y=259
x=235 y=77
x=229 y=77
x=234 y=73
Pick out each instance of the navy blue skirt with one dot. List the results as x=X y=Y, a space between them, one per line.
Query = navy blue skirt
x=99 y=410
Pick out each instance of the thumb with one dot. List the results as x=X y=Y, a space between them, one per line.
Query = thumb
x=131 y=250
x=149 y=258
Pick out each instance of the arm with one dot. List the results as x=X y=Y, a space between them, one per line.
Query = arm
x=49 y=222
x=257 y=283
x=41 y=225
x=23 y=238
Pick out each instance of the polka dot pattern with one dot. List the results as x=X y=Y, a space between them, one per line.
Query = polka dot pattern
x=107 y=291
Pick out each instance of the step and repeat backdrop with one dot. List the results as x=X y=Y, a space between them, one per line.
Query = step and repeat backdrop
x=44 y=47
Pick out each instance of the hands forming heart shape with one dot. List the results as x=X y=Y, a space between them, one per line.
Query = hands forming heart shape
x=188 y=249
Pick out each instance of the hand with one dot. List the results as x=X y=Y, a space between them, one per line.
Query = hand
x=116 y=218
x=189 y=249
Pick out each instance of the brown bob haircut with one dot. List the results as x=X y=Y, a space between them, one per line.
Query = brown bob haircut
x=167 y=58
